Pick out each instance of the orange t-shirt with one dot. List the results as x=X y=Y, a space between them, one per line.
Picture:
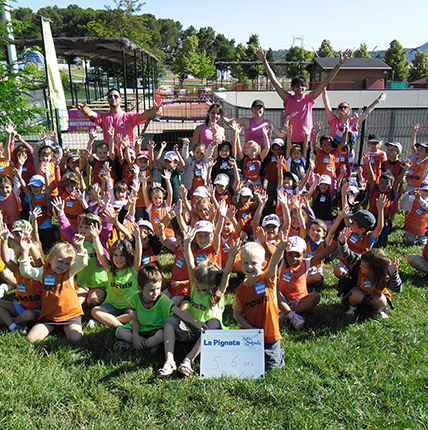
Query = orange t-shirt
x=28 y=291
x=324 y=159
x=292 y=281
x=59 y=296
x=259 y=305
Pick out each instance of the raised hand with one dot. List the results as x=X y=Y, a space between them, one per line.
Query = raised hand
x=381 y=201
x=58 y=204
x=344 y=235
x=261 y=54
x=222 y=208
x=189 y=235
x=345 y=56
x=393 y=265
x=4 y=231
x=78 y=240
x=261 y=235
x=166 y=175
x=37 y=212
x=94 y=230
x=92 y=133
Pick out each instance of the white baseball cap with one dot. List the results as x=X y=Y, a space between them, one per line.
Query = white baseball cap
x=204 y=227
x=271 y=219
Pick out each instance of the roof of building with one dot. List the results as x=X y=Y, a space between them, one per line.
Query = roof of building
x=106 y=48
x=353 y=63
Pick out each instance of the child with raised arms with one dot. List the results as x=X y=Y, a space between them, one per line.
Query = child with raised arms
x=377 y=276
x=206 y=304
x=60 y=304
x=122 y=283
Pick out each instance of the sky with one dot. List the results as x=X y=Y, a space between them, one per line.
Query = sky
x=280 y=24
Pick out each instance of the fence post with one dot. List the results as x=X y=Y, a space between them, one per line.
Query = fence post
x=362 y=135
x=58 y=127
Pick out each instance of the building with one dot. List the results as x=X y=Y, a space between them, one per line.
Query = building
x=356 y=73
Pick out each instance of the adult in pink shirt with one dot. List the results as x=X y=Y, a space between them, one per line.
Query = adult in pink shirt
x=122 y=122
x=300 y=102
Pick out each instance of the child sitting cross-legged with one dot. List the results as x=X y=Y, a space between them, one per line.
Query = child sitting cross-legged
x=377 y=275
x=150 y=308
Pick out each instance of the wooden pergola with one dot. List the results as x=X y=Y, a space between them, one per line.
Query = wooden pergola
x=115 y=50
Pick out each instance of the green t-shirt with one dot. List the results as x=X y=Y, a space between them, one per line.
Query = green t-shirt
x=153 y=318
x=92 y=276
x=200 y=306
x=121 y=287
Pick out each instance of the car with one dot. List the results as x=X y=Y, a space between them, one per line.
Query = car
x=96 y=74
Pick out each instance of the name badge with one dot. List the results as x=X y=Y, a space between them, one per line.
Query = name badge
x=102 y=170
x=50 y=280
x=200 y=258
x=419 y=211
x=286 y=277
x=224 y=165
x=354 y=238
x=322 y=199
x=69 y=203
x=180 y=262
x=1 y=197
x=367 y=284
x=411 y=171
x=326 y=160
x=24 y=168
x=260 y=287
x=1 y=168
x=252 y=166
x=310 y=254
x=21 y=287
x=244 y=215
x=225 y=249
x=273 y=158
x=198 y=172
x=342 y=158
x=156 y=220
x=372 y=160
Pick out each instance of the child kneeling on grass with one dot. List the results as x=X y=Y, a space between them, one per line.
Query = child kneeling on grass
x=256 y=304
x=208 y=286
x=377 y=275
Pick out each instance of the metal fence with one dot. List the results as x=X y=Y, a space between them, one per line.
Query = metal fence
x=390 y=124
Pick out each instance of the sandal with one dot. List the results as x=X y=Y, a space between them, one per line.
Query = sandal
x=186 y=367
x=167 y=369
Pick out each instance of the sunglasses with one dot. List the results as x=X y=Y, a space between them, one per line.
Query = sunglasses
x=343 y=107
x=113 y=96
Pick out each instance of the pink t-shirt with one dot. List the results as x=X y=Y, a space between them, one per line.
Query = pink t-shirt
x=206 y=135
x=335 y=124
x=123 y=123
x=255 y=132
x=304 y=117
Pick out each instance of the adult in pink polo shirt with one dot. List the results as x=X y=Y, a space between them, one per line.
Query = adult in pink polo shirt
x=122 y=122
x=300 y=102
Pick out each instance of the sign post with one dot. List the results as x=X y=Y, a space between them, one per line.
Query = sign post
x=237 y=353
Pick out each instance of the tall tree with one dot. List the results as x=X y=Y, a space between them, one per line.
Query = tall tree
x=326 y=50
x=395 y=57
x=186 y=60
x=362 y=52
x=250 y=53
x=296 y=53
x=419 y=66
x=205 y=68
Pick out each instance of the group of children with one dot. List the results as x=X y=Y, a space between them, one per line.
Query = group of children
x=262 y=209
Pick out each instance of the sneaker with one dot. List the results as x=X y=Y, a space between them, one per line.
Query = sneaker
x=297 y=321
x=92 y=323
x=351 y=311
x=383 y=314
x=3 y=289
x=121 y=346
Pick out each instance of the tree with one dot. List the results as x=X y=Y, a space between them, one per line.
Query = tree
x=15 y=88
x=296 y=53
x=205 y=67
x=186 y=60
x=419 y=66
x=326 y=50
x=250 y=53
x=362 y=52
x=238 y=71
x=395 y=57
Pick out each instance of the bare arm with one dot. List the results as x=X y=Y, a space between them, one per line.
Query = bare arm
x=327 y=107
x=87 y=111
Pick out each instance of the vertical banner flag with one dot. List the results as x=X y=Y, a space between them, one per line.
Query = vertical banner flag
x=56 y=91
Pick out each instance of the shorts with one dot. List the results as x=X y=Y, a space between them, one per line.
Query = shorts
x=274 y=356
x=19 y=309
x=115 y=311
x=145 y=334
x=75 y=320
x=184 y=332
x=367 y=297
x=290 y=303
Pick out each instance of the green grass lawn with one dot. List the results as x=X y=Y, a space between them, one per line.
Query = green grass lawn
x=372 y=374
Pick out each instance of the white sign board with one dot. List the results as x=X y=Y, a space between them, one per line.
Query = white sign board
x=232 y=352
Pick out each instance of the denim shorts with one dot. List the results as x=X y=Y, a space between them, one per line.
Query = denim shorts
x=115 y=311
x=19 y=309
